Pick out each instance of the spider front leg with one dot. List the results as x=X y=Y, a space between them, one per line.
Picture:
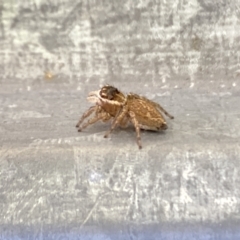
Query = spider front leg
x=137 y=128
x=117 y=120
x=100 y=116
x=86 y=114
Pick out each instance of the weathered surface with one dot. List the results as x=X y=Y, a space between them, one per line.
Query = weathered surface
x=58 y=183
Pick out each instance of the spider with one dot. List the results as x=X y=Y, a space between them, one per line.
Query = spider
x=111 y=104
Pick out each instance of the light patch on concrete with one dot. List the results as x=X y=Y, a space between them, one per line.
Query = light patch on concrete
x=27 y=114
x=70 y=140
x=12 y=106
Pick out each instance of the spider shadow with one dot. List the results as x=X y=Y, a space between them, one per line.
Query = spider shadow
x=123 y=136
x=128 y=134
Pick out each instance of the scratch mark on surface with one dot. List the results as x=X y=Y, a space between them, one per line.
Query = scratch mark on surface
x=93 y=208
x=192 y=85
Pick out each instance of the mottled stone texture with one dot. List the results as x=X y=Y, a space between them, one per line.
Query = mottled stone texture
x=56 y=183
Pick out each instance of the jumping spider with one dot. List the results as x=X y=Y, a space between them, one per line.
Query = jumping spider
x=110 y=103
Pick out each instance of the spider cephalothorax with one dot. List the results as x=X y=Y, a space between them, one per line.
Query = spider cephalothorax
x=110 y=103
x=108 y=94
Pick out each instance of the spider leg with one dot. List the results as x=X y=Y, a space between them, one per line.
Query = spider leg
x=103 y=116
x=135 y=123
x=117 y=120
x=164 y=111
x=86 y=114
x=124 y=122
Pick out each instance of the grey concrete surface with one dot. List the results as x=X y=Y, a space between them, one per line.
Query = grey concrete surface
x=56 y=183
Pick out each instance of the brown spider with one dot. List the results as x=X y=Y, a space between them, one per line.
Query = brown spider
x=110 y=103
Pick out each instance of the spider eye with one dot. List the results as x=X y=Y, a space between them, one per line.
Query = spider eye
x=108 y=92
x=103 y=94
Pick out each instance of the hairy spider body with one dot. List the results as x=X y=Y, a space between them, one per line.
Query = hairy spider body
x=112 y=104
